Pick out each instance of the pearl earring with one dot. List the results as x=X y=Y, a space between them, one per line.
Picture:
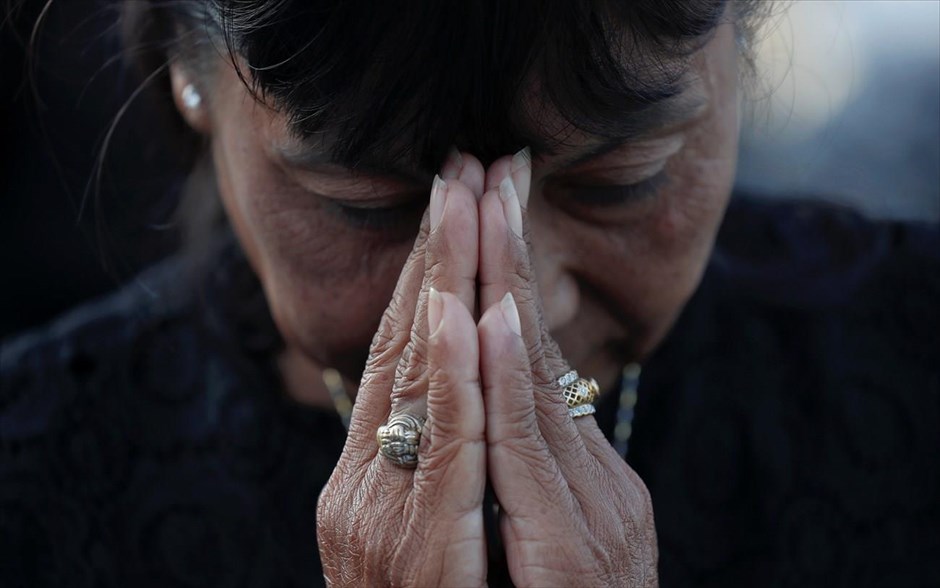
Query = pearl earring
x=191 y=97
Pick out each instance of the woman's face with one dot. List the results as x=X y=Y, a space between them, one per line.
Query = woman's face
x=619 y=241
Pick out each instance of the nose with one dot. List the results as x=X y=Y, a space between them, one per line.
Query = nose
x=557 y=285
x=551 y=257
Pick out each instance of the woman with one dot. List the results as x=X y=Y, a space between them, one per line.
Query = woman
x=170 y=435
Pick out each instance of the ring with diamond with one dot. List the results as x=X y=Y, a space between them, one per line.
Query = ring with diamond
x=579 y=394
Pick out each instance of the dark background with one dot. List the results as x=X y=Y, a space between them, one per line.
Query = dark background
x=65 y=238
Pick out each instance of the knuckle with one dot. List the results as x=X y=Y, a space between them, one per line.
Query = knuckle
x=399 y=304
x=411 y=371
x=444 y=388
x=513 y=269
x=385 y=347
x=530 y=451
x=518 y=377
x=568 y=436
x=417 y=348
x=424 y=236
x=520 y=260
x=545 y=382
x=521 y=423
x=382 y=341
x=404 y=360
x=542 y=468
x=544 y=377
x=517 y=281
x=520 y=281
x=533 y=345
x=435 y=265
x=446 y=275
x=389 y=337
x=440 y=380
x=441 y=456
x=552 y=351
x=551 y=407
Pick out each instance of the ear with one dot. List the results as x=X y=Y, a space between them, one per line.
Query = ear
x=190 y=98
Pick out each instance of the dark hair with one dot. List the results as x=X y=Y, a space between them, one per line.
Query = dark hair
x=396 y=83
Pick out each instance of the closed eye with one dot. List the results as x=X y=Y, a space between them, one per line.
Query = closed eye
x=402 y=217
x=615 y=195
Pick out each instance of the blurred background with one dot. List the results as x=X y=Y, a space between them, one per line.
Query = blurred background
x=845 y=107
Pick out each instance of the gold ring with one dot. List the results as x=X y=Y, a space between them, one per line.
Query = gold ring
x=580 y=395
x=399 y=438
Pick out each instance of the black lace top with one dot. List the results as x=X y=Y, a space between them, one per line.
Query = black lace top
x=788 y=429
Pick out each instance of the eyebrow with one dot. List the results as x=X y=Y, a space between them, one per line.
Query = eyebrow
x=670 y=110
x=304 y=155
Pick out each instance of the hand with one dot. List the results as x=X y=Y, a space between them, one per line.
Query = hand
x=380 y=524
x=572 y=512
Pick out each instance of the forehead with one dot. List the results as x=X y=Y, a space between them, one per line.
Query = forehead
x=551 y=135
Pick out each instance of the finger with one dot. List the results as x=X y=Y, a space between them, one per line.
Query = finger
x=497 y=277
x=450 y=265
x=498 y=170
x=518 y=167
x=466 y=168
x=372 y=399
x=501 y=264
x=424 y=527
x=524 y=473
x=450 y=476
x=505 y=267
x=519 y=170
x=451 y=255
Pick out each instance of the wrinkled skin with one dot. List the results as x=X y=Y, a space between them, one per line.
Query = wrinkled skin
x=591 y=287
x=572 y=512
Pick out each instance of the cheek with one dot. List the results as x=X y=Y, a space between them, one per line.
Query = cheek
x=671 y=250
x=332 y=316
x=659 y=258
x=326 y=284
x=328 y=298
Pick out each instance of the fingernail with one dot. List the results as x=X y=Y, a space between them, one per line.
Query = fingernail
x=435 y=310
x=511 y=209
x=523 y=158
x=521 y=171
x=438 y=195
x=453 y=165
x=508 y=307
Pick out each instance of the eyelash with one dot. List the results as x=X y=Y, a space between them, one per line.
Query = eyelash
x=402 y=218
x=399 y=218
x=609 y=196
